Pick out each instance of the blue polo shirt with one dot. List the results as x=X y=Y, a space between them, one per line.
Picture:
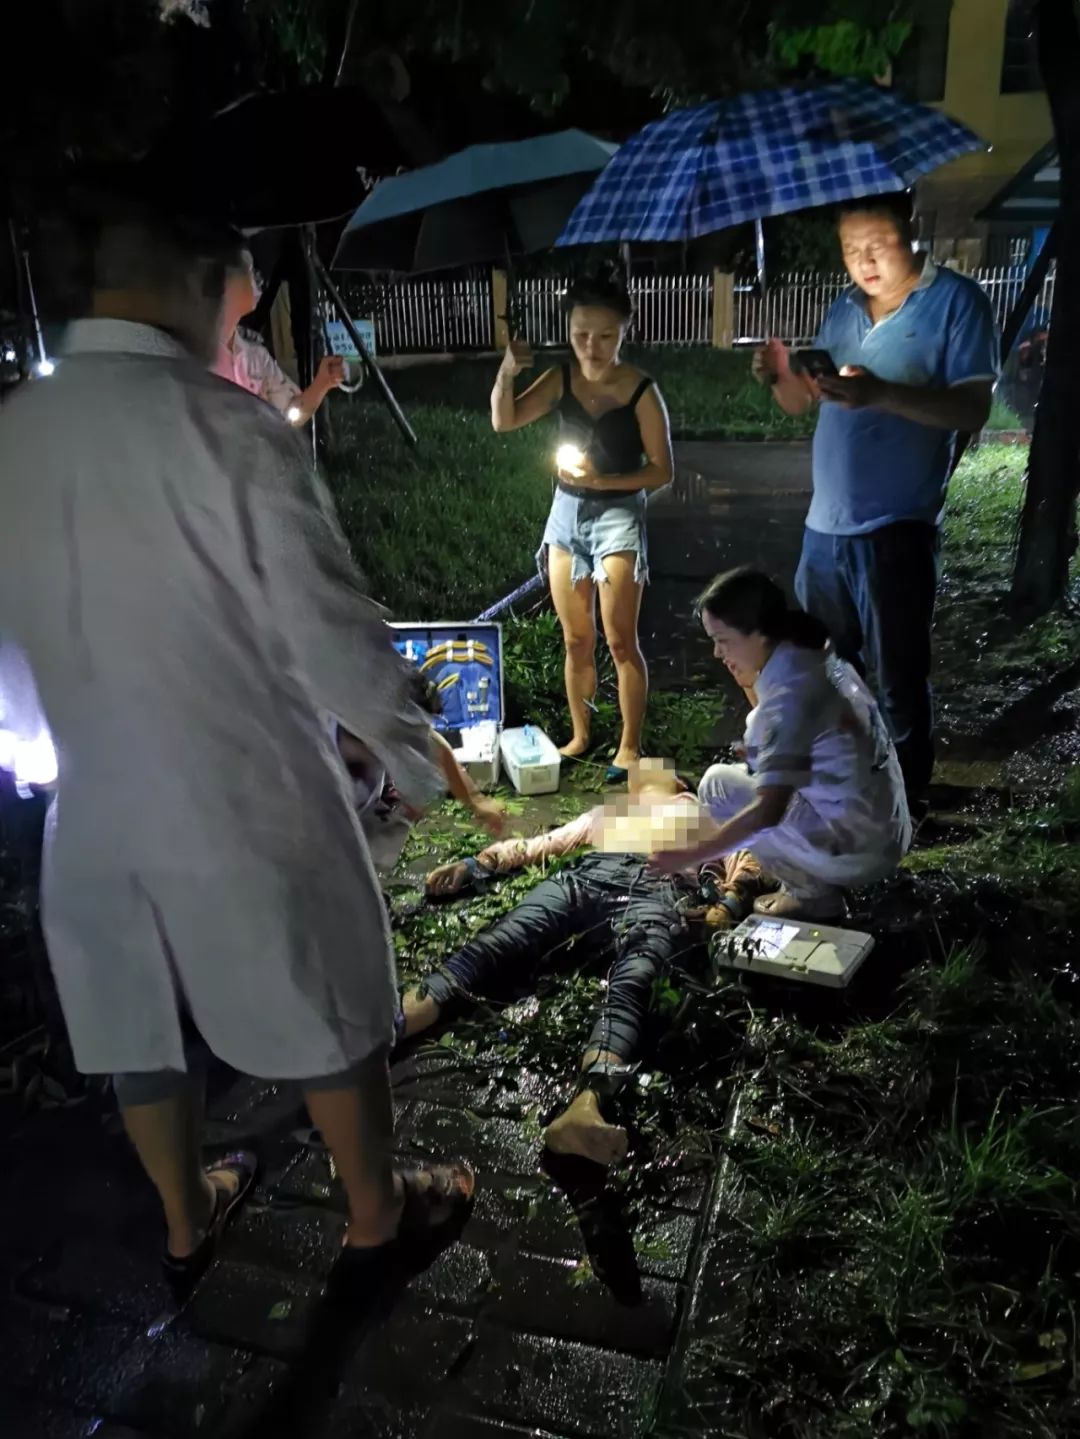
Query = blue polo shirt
x=872 y=468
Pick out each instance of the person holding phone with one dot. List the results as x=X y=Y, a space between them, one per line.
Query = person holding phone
x=916 y=354
x=244 y=359
x=614 y=446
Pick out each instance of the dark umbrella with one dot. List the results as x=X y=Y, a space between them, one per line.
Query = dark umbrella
x=486 y=203
x=276 y=159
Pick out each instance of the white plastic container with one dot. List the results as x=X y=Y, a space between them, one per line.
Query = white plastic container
x=479 y=753
x=531 y=760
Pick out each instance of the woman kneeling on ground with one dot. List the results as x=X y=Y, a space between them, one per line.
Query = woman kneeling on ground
x=820 y=801
x=614 y=446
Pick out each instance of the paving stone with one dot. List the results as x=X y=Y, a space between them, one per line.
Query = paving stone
x=472 y=1426
x=571 y=1388
x=538 y=1217
x=488 y=1142
x=295 y=1239
x=388 y=1359
x=100 y=1276
x=175 y=1384
x=561 y=1298
x=22 y=1418
x=461 y=1278
x=254 y=1107
x=71 y=1359
x=309 y=1182
x=257 y=1309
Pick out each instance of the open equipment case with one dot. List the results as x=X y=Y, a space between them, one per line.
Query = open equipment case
x=792 y=949
x=465 y=663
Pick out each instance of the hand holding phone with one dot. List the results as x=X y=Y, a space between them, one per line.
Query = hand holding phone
x=816 y=364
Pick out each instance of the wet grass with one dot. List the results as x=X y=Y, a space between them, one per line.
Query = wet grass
x=982 y=652
x=708 y=392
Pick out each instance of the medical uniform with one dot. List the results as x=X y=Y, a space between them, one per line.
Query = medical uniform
x=817 y=730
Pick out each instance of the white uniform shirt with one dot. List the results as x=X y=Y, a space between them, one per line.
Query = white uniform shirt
x=190 y=611
x=818 y=730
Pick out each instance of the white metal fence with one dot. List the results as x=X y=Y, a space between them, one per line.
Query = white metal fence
x=668 y=310
x=792 y=307
x=426 y=316
x=457 y=315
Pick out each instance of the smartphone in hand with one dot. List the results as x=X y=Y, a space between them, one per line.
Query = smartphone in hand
x=817 y=364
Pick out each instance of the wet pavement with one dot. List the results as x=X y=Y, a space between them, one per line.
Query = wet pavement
x=730 y=504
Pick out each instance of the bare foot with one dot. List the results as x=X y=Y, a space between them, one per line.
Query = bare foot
x=626 y=759
x=575 y=748
x=582 y=1129
x=420 y=1012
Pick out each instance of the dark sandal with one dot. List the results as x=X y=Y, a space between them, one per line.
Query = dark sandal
x=429 y=1211
x=183 y=1274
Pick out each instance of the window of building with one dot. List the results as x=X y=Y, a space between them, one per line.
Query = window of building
x=918 y=72
x=1020 y=66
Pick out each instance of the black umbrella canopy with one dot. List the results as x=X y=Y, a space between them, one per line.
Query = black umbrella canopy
x=480 y=230
x=276 y=159
x=488 y=202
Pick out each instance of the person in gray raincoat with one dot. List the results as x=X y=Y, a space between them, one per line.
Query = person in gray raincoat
x=190 y=612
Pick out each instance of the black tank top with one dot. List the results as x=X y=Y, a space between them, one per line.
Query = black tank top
x=611 y=440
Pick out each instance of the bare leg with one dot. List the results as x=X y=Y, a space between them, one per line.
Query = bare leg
x=620 y=605
x=581 y=1129
x=357 y=1123
x=575 y=604
x=167 y=1137
x=421 y=1012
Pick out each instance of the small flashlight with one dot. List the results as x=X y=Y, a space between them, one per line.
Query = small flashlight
x=44 y=367
x=570 y=459
x=294 y=414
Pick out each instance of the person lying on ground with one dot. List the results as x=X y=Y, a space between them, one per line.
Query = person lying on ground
x=820 y=801
x=638 y=920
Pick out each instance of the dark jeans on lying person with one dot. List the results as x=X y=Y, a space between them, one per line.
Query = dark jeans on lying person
x=875 y=594
x=611 y=900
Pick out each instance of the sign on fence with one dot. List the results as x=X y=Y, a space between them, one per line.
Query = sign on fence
x=340 y=341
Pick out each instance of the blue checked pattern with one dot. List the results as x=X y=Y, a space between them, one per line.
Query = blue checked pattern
x=721 y=164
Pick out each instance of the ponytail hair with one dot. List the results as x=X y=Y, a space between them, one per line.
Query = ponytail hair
x=604 y=288
x=750 y=602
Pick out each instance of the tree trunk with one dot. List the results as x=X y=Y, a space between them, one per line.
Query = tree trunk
x=1048 y=523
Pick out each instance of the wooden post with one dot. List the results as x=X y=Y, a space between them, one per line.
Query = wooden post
x=723 y=311
x=499 y=301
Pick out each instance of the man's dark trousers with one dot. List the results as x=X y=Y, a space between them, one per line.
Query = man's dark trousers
x=875 y=593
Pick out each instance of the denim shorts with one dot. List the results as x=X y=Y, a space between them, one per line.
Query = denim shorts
x=595 y=527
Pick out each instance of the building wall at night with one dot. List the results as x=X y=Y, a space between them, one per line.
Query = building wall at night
x=977 y=65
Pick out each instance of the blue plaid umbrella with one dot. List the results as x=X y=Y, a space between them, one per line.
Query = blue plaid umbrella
x=701 y=170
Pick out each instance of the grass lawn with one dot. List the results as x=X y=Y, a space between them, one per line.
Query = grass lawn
x=983 y=656
x=707 y=391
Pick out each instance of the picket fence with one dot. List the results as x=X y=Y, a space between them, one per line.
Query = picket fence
x=457 y=315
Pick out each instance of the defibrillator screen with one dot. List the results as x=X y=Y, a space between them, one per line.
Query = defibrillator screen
x=772 y=937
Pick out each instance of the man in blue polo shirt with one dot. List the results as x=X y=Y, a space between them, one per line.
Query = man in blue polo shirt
x=918 y=356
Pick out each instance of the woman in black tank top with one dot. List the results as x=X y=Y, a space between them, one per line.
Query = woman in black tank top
x=614 y=446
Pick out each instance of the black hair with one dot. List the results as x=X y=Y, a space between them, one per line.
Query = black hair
x=896 y=206
x=605 y=288
x=750 y=602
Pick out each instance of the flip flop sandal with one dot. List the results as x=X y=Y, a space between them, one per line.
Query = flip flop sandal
x=184 y=1274
x=430 y=1208
x=615 y=774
